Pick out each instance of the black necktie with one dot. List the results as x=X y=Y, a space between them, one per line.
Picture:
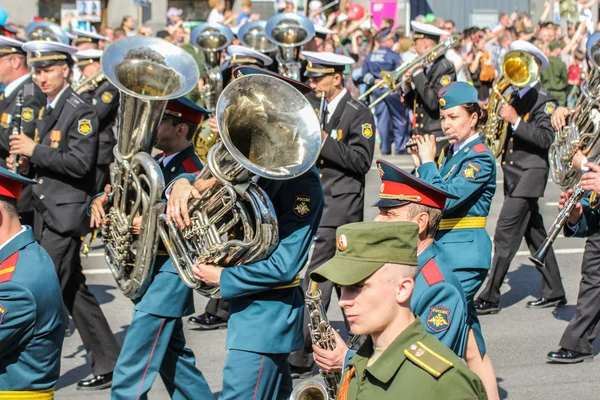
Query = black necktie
x=450 y=152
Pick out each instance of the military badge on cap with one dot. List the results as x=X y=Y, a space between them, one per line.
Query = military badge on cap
x=438 y=319
x=446 y=79
x=442 y=102
x=84 y=126
x=27 y=114
x=471 y=171
x=302 y=206
x=342 y=242
x=549 y=109
x=107 y=97
x=367 y=130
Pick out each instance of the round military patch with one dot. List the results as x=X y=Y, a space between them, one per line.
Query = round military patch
x=446 y=79
x=549 y=109
x=342 y=242
x=367 y=130
x=27 y=114
x=106 y=97
x=84 y=126
x=442 y=102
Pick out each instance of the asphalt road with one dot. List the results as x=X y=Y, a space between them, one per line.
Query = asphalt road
x=518 y=339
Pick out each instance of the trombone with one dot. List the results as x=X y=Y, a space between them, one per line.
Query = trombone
x=393 y=79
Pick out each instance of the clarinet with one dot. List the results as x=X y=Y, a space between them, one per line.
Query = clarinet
x=17 y=127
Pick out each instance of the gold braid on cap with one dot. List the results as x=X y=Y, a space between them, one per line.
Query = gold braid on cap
x=414 y=199
x=86 y=62
x=55 y=57
x=310 y=68
x=10 y=50
x=235 y=59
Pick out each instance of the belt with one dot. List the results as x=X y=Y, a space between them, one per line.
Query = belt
x=294 y=283
x=462 y=223
x=46 y=394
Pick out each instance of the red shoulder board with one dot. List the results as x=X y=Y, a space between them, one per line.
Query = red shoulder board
x=189 y=165
x=431 y=273
x=480 y=148
x=7 y=268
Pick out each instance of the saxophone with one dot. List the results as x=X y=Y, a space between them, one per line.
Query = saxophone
x=321 y=334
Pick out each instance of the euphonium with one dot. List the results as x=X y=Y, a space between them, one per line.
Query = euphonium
x=289 y=32
x=583 y=127
x=148 y=72
x=520 y=70
x=268 y=129
x=91 y=82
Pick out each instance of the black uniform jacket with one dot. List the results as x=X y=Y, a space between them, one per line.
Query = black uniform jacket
x=525 y=155
x=64 y=164
x=345 y=159
x=424 y=97
x=105 y=100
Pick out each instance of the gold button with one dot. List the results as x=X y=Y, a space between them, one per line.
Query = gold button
x=42 y=197
x=41 y=181
x=422 y=115
x=511 y=139
x=503 y=152
x=503 y=162
x=511 y=163
x=320 y=175
x=510 y=151
x=322 y=162
x=421 y=125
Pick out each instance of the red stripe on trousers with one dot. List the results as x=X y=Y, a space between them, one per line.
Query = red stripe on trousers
x=150 y=359
x=262 y=361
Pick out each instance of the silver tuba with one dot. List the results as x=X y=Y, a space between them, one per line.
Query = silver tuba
x=44 y=30
x=582 y=130
x=268 y=129
x=252 y=35
x=148 y=72
x=212 y=39
x=289 y=32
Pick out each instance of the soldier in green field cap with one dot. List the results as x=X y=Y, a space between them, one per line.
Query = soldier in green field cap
x=375 y=265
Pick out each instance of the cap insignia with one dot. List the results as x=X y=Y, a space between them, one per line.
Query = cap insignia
x=342 y=242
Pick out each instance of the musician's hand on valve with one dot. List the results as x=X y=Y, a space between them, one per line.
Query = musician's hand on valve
x=97 y=208
x=22 y=145
x=181 y=192
x=212 y=124
x=575 y=214
x=427 y=148
x=591 y=180
x=508 y=114
x=331 y=360
x=207 y=273
x=559 y=117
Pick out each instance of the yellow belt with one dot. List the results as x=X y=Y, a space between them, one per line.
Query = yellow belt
x=294 y=283
x=462 y=223
x=46 y=394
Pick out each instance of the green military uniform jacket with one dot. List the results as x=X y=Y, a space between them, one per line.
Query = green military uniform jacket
x=555 y=78
x=415 y=366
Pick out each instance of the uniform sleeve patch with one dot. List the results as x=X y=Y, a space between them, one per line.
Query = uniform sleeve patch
x=431 y=273
x=480 y=148
x=107 y=97
x=301 y=206
x=438 y=319
x=367 y=130
x=445 y=80
x=84 y=126
x=549 y=109
x=471 y=171
x=27 y=114
x=2 y=312
x=189 y=165
x=8 y=266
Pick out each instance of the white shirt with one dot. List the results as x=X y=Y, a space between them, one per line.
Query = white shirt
x=215 y=16
x=12 y=237
x=459 y=146
x=11 y=87
x=167 y=159
x=55 y=101
x=332 y=105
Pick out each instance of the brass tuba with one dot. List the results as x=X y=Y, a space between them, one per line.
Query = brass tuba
x=148 y=72
x=289 y=32
x=252 y=35
x=519 y=69
x=583 y=128
x=91 y=82
x=269 y=130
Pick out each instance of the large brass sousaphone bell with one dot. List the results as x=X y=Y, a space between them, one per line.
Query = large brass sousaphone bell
x=252 y=35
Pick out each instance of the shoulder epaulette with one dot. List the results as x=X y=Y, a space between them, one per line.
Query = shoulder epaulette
x=544 y=92
x=431 y=273
x=427 y=359
x=355 y=103
x=480 y=148
x=189 y=165
x=74 y=100
x=7 y=268
x=28 y=89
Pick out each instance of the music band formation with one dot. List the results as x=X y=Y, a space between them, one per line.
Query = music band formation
x=266 y=179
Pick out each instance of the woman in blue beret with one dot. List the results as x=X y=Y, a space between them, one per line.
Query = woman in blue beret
x=467 y=169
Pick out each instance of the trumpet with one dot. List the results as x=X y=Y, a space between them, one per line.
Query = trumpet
x=437 y=140
x=393 y=79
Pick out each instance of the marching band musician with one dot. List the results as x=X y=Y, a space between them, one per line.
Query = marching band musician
x=345 y=159
x=525 y=166
x=216 y=313
x=265 y=293
x=423 y=83
x=15 y=75
x=375 y=264
x=155 y=342
x=467 y=169
x=32 y=321
x=104 y=98
x=391 y=116
x=62 y=156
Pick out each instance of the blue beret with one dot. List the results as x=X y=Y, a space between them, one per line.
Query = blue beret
x=251 y=70
x=457 y=93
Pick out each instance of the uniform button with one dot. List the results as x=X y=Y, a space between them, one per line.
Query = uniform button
x=511 y=139
x=322 y=162
x=511 y=163
x=510 y=151
x=320 y=175
x=42 y=197
x=503 y=152
x=421 y=125
x=41 y=181
x=422 y=115
x=503 y=162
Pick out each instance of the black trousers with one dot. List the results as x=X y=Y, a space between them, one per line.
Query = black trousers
x=583 y=327
x=520 y=217
x=218 y=307
x=323 y=250
x=98 y=340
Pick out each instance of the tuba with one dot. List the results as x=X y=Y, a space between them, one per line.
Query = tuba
x=583 y=128
x=289 y=32
x=520 y=70
x=252 y=35
x=44 y=30
x=91 y=82
x=268 y=129
x=148 y=72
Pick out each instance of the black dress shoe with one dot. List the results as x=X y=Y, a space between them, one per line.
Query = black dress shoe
x=97 y=382
x=543 y=302
x=564 y=356
x=301 y=372
x=207 y=322
x=485 y=307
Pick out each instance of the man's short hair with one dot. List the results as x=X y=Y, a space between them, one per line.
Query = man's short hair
x=435 y=216
x=10 y=206
x=192 y=126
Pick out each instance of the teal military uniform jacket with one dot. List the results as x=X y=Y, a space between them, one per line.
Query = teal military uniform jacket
x=470 y=175
x=588 y=225
x=438 y=299
x=415 y=366
x=32 y=325
x=265 y=319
